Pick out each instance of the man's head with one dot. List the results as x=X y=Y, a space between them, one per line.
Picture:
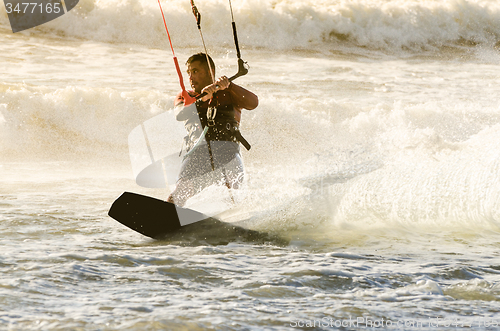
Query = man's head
x=199 y=71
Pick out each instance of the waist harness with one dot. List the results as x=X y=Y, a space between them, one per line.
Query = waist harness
x=218 y=123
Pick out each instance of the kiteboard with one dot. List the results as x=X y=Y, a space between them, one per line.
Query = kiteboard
x=152 y=217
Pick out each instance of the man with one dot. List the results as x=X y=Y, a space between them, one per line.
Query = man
x=212 y=149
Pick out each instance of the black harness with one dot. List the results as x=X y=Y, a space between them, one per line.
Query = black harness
x=222 y=126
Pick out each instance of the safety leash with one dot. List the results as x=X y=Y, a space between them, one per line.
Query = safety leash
x=197 y=15
x=211 y=111
x=187 y=98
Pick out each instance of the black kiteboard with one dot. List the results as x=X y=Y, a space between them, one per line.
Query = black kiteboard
x=152 y=217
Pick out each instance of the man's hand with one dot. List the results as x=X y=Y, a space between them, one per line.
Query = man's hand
x=221 y=84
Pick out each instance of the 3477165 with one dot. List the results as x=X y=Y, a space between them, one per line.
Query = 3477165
x=33 y=8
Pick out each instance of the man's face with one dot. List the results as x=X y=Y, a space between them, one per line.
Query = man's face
x=198 y=76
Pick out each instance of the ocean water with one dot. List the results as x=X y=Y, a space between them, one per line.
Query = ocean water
x=372 y=193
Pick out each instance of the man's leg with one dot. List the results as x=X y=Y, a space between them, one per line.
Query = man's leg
x=183 y=191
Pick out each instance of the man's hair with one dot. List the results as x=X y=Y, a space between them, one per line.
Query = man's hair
x=202 y=58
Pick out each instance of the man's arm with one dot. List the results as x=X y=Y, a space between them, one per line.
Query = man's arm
x=243 y=98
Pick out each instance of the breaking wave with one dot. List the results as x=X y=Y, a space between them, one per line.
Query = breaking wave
x=285 y=24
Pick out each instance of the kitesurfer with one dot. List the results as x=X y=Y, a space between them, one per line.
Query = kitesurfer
x=212 y=144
